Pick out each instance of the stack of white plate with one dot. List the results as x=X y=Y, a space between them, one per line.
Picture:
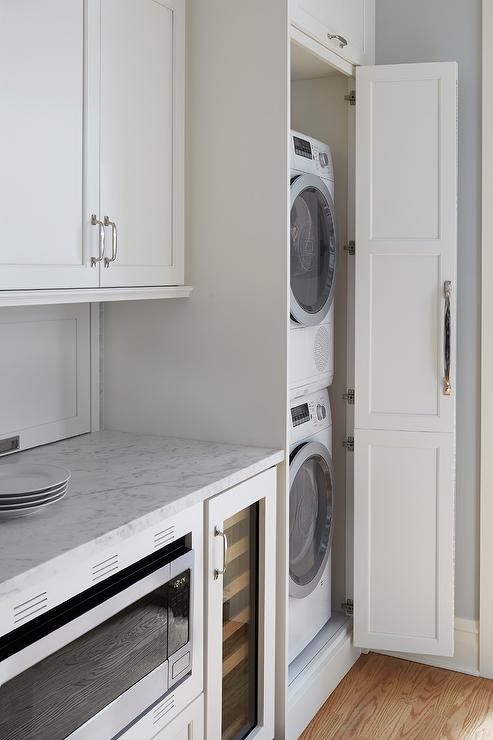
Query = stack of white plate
x=26 y=488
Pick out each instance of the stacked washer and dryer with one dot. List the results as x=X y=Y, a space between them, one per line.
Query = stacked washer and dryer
x=311 y=474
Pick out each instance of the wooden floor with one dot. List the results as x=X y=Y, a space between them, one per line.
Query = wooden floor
x=384 y=698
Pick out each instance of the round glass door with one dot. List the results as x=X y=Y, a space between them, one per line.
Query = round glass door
x=313 y=250
x=311 y=511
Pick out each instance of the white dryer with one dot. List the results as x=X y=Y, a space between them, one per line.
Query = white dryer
x=312 y=264
x=311 y=519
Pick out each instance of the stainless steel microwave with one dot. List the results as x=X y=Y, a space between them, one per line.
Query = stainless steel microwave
x=89 y=667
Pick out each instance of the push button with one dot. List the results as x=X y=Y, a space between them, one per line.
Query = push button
x=181 y=665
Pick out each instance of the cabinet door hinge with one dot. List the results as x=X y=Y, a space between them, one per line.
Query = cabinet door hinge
x=349 y=444
x=350 y=248
x=351 y=97
x=348 y=607
x=349 y=396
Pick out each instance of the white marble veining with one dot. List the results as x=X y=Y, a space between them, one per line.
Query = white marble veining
x=121 y=484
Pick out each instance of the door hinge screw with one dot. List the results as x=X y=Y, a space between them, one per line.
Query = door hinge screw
x=351 y=97
x=350 y=248
x=349 y=396
x=348 y=607
x=349 y=444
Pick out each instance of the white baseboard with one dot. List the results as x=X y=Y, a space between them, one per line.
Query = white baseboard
x=466 y=655
x=313 y=687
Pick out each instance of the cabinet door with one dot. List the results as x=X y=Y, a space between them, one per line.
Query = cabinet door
x=142 y=122
x=48 y=82
x=406 y=253
x=352 y=20
x=189 y=725
x=240 y=526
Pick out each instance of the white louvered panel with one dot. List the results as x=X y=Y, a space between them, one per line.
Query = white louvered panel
x=26 y=610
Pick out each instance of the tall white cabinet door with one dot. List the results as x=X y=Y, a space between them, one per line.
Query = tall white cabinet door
x=47 y=126
x=142 y=119
x=405 y=282
x=347 y=27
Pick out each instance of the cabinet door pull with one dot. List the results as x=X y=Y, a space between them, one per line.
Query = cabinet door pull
x=218 y=533
x=342 y=41
x=96 y=222
x=447 y=332
x=114 y=242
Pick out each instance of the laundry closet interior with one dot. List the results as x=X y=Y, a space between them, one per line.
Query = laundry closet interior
x=321 y=113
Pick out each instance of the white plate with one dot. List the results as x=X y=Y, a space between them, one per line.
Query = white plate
x=18 y=511
x=32 y=504
x=22 y=478
x=32 y=498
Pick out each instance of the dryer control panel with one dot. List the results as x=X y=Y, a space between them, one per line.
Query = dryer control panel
x=309 y=414
x=310 y=156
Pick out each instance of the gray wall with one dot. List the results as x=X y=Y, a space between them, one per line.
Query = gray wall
x=450 y=30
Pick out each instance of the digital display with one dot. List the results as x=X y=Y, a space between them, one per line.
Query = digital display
x=302 y=147
x=300 y=414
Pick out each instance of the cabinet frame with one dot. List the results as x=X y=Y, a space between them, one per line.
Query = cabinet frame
x=262 y=490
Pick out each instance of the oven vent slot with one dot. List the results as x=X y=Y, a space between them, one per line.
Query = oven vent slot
x=163 y=708
x=28 y=609
x=105 y=568
x=164 y=537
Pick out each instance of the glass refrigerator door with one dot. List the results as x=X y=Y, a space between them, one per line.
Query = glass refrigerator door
x=239 y=630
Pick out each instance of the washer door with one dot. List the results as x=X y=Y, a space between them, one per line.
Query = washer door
x=313 y=249
x=311 y=512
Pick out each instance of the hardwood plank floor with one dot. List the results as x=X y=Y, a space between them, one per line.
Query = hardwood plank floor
x=385 y=698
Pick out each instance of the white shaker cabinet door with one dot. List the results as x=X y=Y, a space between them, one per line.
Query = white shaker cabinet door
x=406 y=244
x=405 y=298
x=347 y=27
x=142 y=113
x=46 y=129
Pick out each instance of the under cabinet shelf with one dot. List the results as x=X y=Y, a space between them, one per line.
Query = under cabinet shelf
x=239 y=621
x=237 y=652
x=91 y=295
x=236 y=586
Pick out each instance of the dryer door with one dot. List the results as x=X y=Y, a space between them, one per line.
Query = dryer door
x=311 y=512
x=313 y=249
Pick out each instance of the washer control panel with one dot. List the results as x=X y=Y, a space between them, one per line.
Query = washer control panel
x=309 y=414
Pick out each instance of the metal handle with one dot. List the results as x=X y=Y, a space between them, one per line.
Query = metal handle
x=114 y=242
x=218 y=533
x=342 y=41
x=95 y=222
x=447 y=331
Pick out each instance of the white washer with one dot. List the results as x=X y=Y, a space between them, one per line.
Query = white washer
x=313 y=264
x=311 y=525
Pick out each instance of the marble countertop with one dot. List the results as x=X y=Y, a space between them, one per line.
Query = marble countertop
x=121 y=483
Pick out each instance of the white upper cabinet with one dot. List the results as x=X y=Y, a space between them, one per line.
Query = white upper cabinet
x=91 y=126
x=44 y=132
x=405 y=298
x=346 y=27
x=142 y=135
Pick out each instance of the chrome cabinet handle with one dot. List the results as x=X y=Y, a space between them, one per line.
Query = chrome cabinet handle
x=95 y=222
x=114 y=242
x=218 y=533
x=447 y=332
x=342 y=41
